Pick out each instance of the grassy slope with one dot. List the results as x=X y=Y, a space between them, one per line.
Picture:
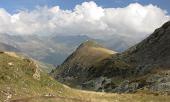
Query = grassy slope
x=91 y=55
x=87 y=96
x=87 y=55
x=17 y=80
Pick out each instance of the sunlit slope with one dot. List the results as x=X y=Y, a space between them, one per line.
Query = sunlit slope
x=22 y=77
x=89 y=53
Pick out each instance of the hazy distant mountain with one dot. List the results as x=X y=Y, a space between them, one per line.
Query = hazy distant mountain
x=118 y=43
x=47 y=49
x=55 y=49
x=144 y=66
x=6 y=47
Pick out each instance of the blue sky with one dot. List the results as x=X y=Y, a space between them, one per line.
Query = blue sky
x=13 y=6
x=96 y=19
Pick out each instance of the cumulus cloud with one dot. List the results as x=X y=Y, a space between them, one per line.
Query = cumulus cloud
x=135 y=20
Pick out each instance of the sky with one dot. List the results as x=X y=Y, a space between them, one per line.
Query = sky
x=13 y=6
x=94 y=18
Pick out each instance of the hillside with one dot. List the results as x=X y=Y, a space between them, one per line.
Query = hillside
x=22 y=77
x=143 y=67
x=21 y=80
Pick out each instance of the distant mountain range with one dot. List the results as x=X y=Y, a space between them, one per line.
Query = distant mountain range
x=143 y=67
x=55 y=49
x=6 y=47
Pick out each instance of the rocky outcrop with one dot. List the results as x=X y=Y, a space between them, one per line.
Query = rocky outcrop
x=99 y=84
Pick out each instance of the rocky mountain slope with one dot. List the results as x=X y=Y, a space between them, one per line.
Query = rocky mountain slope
x=155 y=49
x=143 y=67
x=22 y=80
x=80 y=62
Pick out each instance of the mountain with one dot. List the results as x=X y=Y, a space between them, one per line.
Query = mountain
x=143 y=67
x=6 y=47
x=22 y=80
x=54 y=49
x=118 y=43
x=154 y=50
x=79 y=62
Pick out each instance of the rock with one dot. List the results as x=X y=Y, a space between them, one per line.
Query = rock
x=126 y=87
x=161 y=87
x=143 y=69
x=99 y=84
x=153 y=78
x=159 y=83
x=36 y=75
x=10 y=64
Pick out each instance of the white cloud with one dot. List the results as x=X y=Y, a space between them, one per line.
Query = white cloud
x=135 y=20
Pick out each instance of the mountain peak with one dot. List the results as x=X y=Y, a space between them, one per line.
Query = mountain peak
x=89 y=43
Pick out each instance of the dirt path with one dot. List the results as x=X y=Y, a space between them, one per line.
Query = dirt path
x=29 y=99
